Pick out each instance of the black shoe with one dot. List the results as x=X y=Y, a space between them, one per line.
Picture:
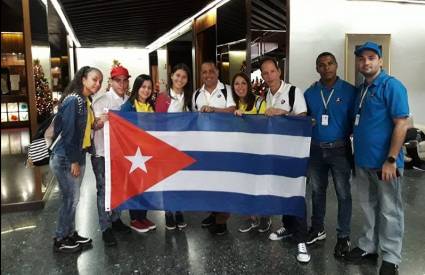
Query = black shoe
x=419 y=165
x=208 y=221
x=66 y=245
x=119 y=226
x=83 y=241
x=265 y=224
x=342 y=247
x=388 y=269
x=358 y=255
x=408 y=165
x=170 y=224
x=314 y=236
x=218 y=229
x=109 y=238
x=180 y=220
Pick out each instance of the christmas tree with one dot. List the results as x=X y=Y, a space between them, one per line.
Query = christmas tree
x=43 y=94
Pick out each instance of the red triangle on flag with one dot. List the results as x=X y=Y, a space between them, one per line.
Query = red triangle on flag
x=125 y=140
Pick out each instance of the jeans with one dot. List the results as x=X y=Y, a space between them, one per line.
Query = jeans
x=297 y=226
x=382 y=205
x=69 y=187
x=337 y=161
x=105 y=218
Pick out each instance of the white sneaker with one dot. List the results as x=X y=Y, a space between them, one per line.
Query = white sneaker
x=280 y=234
x=303 y=256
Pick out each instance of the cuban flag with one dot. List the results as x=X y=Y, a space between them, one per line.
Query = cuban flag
x=251 y=165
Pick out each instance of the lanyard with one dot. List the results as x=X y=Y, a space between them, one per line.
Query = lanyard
x=325 y=103
x=363 y=95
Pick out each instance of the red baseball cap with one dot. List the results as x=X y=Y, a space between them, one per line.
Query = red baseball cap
x=119 y=71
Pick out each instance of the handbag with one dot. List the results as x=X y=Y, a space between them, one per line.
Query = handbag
x=40 y=148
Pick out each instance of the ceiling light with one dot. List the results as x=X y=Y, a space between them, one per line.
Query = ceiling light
x=65 y=22
x=183 y=27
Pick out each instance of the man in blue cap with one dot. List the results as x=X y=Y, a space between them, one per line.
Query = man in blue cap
x=380 y=125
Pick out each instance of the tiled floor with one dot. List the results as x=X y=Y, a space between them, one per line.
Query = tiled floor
x=26 y=243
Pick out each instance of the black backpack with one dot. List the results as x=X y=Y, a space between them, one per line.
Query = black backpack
x=197 y=92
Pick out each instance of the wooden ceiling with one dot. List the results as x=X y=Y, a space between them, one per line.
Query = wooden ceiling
x=137 y=23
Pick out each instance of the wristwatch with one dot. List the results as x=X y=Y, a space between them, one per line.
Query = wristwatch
x=391 y=159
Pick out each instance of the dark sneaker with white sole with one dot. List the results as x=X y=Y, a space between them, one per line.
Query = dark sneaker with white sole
x=342 y=247
x=314 y=236
x=265 y=224
x=84 y=241
x=248 y=225
x=358 y=255
x=218 y=229
x=66 y=245
x=208 y=221
x=280 y=234
x=388 y=268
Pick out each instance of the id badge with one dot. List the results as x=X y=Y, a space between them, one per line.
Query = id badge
x=325 y=120
x=356 y=121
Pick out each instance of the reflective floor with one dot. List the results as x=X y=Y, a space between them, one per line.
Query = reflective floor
x=26 y=243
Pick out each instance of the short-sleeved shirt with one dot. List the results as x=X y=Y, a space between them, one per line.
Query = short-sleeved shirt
x=280 y=99
x=340 y=109
x=111 y=101
x=215 y=99
x=258 y=108
x=386 y=99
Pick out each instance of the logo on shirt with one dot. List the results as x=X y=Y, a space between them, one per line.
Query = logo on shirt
x=219 y=95
x=282 y=102
x=338 y=100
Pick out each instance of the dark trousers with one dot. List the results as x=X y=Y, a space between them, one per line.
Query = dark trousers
x=297 y=226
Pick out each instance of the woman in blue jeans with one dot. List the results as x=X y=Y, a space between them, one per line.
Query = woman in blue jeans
x=73 y=125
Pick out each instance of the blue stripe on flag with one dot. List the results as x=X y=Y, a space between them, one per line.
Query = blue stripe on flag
x=249 y=163
x=217 y=201
x=220 y=122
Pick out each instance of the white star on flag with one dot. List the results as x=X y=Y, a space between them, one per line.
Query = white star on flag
x=138 y=161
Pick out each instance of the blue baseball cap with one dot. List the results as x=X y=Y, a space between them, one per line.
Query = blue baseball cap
x=369 y=46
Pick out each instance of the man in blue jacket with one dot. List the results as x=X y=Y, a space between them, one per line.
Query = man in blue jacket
x=380 y=125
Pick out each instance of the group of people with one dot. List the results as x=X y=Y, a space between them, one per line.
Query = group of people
x=374 y=115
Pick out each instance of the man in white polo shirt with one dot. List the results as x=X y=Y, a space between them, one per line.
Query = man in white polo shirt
x=111 y=100
x=285 y=99
x=213 y=96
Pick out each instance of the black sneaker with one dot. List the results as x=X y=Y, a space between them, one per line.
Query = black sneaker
x=419 y=165
x=358 y=255
x=342 y=247
x=314 y=236
x=83 y=241
x=248 y=225
x=388 y=269
x=265 y=224
x=180 y=220
x=208 y=221
x=280 y=234
x=109 y=238
x=119 y=226
x=66 y=245
x=170 y=224
x=218 y=229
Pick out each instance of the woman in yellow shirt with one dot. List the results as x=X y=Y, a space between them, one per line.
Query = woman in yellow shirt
x=140 y=100
x=248 y=103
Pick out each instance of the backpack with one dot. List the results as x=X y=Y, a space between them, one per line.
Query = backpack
x=291 y=96
x=197 y=92
x=40 y=148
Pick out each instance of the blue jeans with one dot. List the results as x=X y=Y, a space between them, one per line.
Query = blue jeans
x=382 y=206
x=69 y=187
x=105 y=218
x=336 y=160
